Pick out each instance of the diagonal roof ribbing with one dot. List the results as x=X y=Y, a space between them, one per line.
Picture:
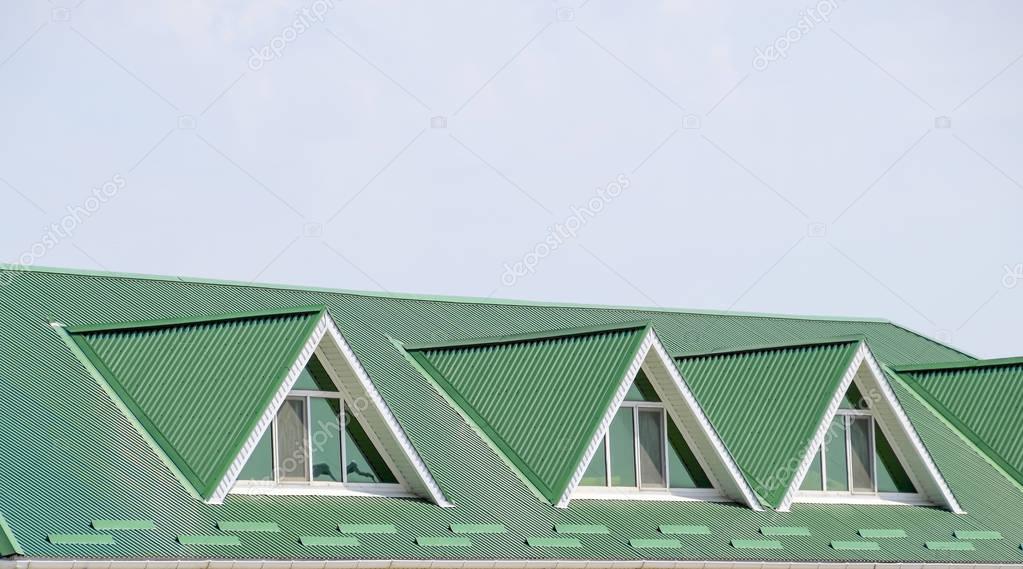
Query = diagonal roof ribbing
x=766 y=403
x=982 y=400
x=538 y=397
x=196 y=388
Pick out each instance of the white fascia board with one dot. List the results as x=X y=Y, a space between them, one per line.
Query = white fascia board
x=894 y=422
x=338 y=352
x=683 y=407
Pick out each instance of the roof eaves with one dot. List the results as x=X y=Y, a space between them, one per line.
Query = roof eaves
x=770 y=347
x=171 y=322
x=531 y=337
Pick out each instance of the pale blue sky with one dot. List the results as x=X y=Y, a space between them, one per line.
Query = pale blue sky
x=818 y=182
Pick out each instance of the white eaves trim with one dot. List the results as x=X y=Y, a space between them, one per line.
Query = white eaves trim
x=890 y=416
x=354 y=382
x=683 y=408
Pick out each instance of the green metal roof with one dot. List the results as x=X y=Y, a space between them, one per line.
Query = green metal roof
x=982 y=399
x=539 y=398
x=69 y=456
x=197 y=387
x=766 y=403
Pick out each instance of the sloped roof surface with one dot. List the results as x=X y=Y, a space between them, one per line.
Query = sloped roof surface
x=766 y=404
x=198 y=387
x=539 y=398
x=983 y=400
x=69 y=457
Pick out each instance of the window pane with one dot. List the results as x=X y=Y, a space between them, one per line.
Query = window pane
x=364 y=462
x=325 y=433
x=835 y=457
x=891 y=477
x=623 y=449
x=260 y=465
x=651 y=448
x=314 y=378
x=291 y=436
x=684 y=471
x=641 y=389
x=861 y=454
x=853 y=399
x=814 y=481
x=596 y=472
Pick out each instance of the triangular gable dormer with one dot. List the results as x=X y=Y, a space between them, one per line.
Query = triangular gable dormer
x=872 y=451
x=655 y=442
x=545 y=401
x=204 y=391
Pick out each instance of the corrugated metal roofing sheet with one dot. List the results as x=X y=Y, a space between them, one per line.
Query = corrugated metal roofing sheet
x=539 y=398
x=198 y=388
x=66 y=448
x=983 y=400
x=766 y=404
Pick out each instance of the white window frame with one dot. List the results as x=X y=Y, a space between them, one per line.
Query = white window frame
x=852 y=495
x=319 y=487
x=639 y=492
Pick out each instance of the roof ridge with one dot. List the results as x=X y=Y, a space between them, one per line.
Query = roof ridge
x=441 y=298
x=779 y=346
x=941 y=366
x=171 y=322
x=528 y=337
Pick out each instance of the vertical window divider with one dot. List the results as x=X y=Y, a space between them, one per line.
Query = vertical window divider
x=635 y=446
x=847 y=421
x=274 y=447
x=309 y=437
x=664 y=447
x=607 y=460
x=343 y=430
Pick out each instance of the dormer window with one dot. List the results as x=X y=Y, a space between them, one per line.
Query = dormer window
x=644 y=451
x=316 y=442
x=856 y=459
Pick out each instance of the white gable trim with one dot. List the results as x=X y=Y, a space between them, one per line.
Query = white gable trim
x=339 y=359
x=894 y=422
x=683 y=408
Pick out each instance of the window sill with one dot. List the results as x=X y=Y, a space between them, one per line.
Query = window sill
x=882 y=498
x=253 y=488
x=654 y=494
